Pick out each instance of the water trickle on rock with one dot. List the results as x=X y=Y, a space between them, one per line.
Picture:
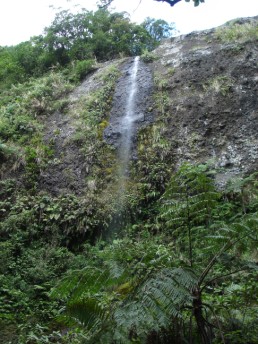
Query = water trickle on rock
x=128 y=120
x=129 y=113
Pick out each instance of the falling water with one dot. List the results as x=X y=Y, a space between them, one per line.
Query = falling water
x=127 y=124
x=129 y=114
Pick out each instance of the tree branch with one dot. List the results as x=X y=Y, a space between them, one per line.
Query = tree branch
x=211 y=263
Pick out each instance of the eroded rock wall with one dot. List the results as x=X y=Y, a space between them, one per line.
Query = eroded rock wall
x=211 y=85
x=198 y=99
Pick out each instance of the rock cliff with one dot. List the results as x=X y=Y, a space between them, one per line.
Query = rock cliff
x=204 y=103
x=210 y=81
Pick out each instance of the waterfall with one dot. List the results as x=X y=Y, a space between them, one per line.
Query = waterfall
x=128 y=114
x=127 y=123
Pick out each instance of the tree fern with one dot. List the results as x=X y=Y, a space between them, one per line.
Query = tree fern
x=189 y=201
x=156 y=301
x=134 y=287
x=189 y=198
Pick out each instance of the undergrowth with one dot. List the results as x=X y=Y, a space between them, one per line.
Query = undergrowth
x=237 y=32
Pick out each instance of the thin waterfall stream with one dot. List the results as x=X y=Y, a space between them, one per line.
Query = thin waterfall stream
x=127 y=124
x=130 y=112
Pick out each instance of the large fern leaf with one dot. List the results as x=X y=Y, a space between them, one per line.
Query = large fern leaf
x=157 y=301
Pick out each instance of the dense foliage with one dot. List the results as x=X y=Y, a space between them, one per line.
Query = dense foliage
x=193 y=258
x=76 y=39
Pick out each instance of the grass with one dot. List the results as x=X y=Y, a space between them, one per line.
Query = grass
x=220 y=84
x=236 y=32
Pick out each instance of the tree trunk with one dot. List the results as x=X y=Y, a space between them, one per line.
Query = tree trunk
x=203 y=329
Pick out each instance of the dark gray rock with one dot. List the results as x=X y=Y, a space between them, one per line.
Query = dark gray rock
x=143 y=102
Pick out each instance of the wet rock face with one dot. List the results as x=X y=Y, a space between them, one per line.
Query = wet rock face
x=68 y=169
x=213 y=94
x=211 y=110
x=143 y=115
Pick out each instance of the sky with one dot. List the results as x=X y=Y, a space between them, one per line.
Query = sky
x=22 y=19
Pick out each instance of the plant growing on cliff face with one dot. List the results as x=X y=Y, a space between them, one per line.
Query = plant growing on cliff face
x=221 y=85
x=148 y=57
x=91 y=119
x=81 y=69
x=161 y=98
x=235 y=31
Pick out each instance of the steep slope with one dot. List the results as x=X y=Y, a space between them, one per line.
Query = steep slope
x=205 y=104
x=60 y=194
x=209 y=81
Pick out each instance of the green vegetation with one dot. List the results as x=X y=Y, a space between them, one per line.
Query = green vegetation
x=23 y=109
x=182 y=268
x=74 y=41
x=158 y=30
x=93 y=110
x=220 y=84
x=185 y=266
x=238 y=32
x=199 y=265
x=148 y=56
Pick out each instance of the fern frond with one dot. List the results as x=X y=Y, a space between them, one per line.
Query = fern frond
x=88 y=312
x=158 y=300
x=78 y=281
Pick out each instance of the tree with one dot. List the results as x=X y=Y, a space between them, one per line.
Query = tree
x=10 y=69
x=157 y=28
x=134 y=288
x=101 y=34
x=77 y=37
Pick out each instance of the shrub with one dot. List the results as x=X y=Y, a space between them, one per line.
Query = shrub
x=148 y=57
x=237 y=32
x=5 y=152
x=81 y=69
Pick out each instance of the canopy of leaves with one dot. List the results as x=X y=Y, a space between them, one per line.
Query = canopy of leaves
x=87 y=35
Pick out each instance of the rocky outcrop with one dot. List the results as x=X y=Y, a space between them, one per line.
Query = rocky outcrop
x=207 y=83
x=69 y=166
x=143 y=103
x=210 y=79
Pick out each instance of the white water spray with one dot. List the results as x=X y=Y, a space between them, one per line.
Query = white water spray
x=128 y=114
x=128 y=123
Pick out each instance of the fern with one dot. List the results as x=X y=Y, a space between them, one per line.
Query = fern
x=158 y=300
x=132 y=288
x=87 y=311
x=190 y=197
x=90 y=294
